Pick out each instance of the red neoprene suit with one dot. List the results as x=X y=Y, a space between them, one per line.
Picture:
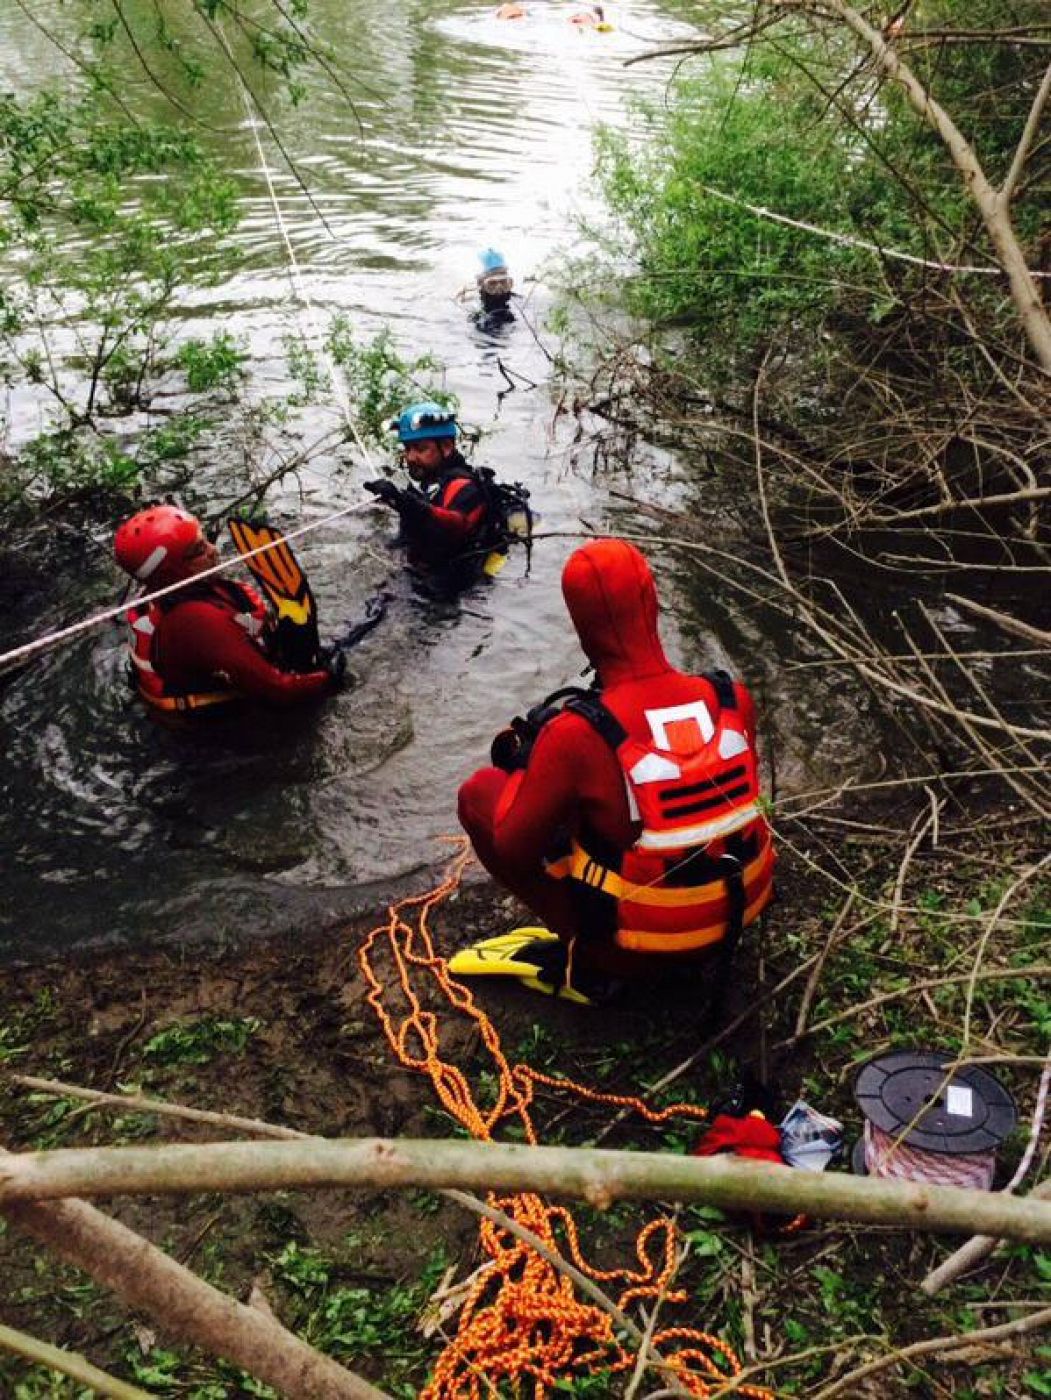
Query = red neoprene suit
x=573 y=781
x=452 y=521
x=198 y=644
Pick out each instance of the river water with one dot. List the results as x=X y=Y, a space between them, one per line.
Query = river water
x=471 y=132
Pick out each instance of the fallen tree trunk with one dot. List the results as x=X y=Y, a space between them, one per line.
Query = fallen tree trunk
x=597 y=1175
x=183 y=1306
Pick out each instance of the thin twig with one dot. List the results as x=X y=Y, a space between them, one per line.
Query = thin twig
x=819 y=963
x=1036 y=971
x=68 y=1363
x=982 y=1336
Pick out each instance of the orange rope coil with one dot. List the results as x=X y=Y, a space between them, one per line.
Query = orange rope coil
x=522 y=1319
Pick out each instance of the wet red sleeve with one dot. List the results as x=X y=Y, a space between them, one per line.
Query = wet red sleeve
x=199 y=639
x=571 y=771
x=459 y=513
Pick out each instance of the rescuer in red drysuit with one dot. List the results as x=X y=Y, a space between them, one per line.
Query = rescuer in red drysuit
x=205 y=646
x=638 y=841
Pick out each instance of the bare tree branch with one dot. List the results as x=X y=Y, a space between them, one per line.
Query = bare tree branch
x=183 y=1305
x=67 y=1363
x=599 y=1176
x=992 y=208
x=1032 y=125
x=846 y=1385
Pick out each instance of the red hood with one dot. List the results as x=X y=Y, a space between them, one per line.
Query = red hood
x=612 y=600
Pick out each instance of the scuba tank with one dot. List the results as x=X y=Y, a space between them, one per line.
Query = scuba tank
x=509 y=517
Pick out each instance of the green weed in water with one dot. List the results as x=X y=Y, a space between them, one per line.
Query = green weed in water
x=216 y=364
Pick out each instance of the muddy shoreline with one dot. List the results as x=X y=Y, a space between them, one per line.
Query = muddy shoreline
x=280 y=1029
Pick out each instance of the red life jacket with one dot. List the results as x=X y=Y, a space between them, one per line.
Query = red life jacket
x=702 y=864
x=242 y=601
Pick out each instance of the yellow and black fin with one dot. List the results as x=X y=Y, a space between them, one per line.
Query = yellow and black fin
x=277 y=572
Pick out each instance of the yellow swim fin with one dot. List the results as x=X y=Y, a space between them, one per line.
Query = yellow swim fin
x=277 y=572
x=277 y=569
x=534 y=957
x=497 y=957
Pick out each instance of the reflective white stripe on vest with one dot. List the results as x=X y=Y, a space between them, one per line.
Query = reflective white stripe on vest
x=252 y=625
x=731 y=743
x=700 y=833
x=696 y=710
x=140 y=661
x=655 y=768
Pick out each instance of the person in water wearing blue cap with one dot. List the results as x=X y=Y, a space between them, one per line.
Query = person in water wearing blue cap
x=495 y=284
x=446 y=520
x=495 y=290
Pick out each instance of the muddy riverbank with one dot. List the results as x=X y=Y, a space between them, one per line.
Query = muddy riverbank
x=280 y=1029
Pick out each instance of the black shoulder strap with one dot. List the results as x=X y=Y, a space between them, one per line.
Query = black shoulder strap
x=210 y=591
x=603 y=721
x=724 y=688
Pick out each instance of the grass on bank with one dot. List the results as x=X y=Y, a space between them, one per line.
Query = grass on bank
x=353 y=1275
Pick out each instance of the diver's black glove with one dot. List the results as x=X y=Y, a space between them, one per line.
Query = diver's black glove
x=385 y=491
x=336 y=666
x=412 y=504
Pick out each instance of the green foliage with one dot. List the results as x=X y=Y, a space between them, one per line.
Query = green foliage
x=64 y=462
x=379 y=381
x=801 y=128
x=11 y=1043
x=42 y=1384
x=210 y=365
x=197 y=1042
x=345 y=1320
x=160 y=1368
x=17 y=1033
x=593 y=1387
x=175 y=48
x=110 y=222
x=710 y=264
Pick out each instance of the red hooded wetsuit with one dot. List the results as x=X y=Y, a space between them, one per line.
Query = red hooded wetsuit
x=201 y=650
x=575 y=786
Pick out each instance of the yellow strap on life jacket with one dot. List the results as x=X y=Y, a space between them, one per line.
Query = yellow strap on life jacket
x=578 y=865
x=200 y=701
x=688 y=940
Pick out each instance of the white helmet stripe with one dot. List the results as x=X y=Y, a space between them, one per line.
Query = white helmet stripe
x=152 y=562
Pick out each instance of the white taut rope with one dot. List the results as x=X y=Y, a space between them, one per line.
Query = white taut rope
x=50 y=639
x=17 y=655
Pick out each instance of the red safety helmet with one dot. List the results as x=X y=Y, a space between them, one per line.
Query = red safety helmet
x=153 y=544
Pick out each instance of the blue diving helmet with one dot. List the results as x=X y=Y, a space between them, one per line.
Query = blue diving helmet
x=421 y=421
